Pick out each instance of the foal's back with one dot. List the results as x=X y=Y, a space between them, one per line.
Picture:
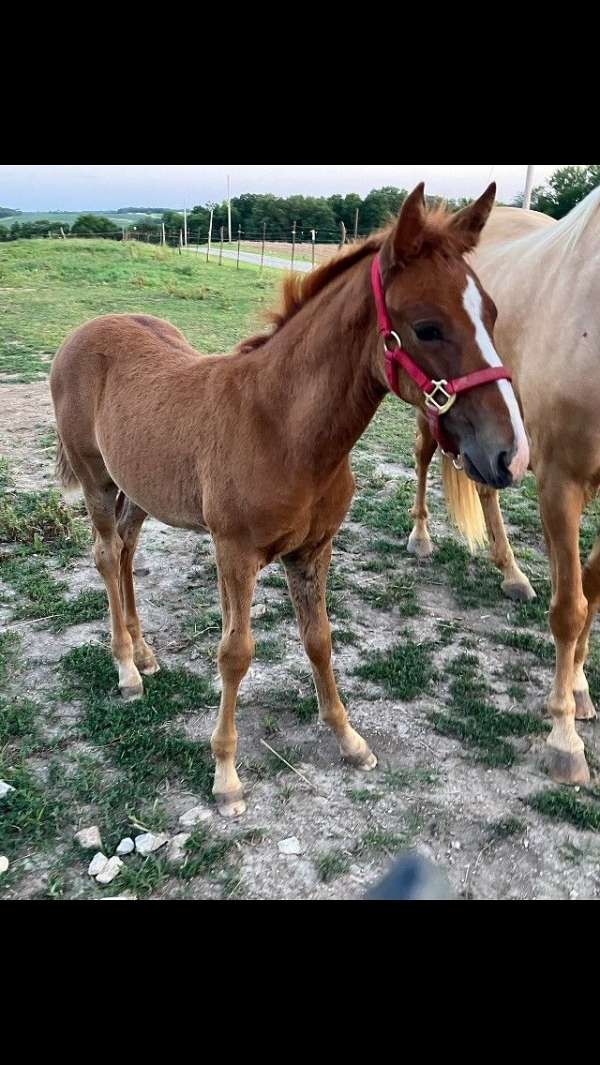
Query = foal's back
x=115 y=383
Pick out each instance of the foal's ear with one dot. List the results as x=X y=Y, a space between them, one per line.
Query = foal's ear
x=406 y=238
x=469 y=222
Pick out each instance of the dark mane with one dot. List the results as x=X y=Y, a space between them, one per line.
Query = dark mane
x=298 y=289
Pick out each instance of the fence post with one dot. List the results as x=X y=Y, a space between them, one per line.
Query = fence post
x=221 y=248
x=62 y=233
x=163 y=235
x=262 y=250
x=209 y=233
x=356 y=224
x=342 y=235
x=313 y=234
x=237 y=266
x=180 y=242
x=293 y=244
x=185 y=226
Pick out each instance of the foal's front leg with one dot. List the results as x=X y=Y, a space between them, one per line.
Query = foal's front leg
x=237 y=577
x=306 y=573
x=419 y=541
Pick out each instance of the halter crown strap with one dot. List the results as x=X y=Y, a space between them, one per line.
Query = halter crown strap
x=439 y=395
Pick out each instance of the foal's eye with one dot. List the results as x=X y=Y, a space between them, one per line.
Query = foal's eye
x=428 y=332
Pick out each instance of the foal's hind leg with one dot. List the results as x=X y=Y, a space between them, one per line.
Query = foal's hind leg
x=515 y=584
x=237 y=577
x=419 y=541
x=100 y=497
x=306 y=576
x=129 y=523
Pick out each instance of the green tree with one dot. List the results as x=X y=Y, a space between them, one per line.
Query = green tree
x=565 y=189
x=93 y=225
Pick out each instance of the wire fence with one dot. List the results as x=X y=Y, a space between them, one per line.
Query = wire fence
x=301 y=243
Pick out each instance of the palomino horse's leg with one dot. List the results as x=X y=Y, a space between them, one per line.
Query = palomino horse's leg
x=100 y=499
x=237 y=577
x=584 y=707
x=561 y=504
x=306 y=576
x=419 y=541
x=129 y=523
x=515 y=584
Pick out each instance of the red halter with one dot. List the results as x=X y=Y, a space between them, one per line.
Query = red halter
x=439 y=395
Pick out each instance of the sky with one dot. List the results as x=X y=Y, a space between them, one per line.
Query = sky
x=103 y=187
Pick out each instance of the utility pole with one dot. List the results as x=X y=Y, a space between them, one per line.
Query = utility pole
x=228 y=208
x=528 y=185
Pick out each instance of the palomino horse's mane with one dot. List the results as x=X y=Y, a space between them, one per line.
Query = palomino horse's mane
x=298 y=289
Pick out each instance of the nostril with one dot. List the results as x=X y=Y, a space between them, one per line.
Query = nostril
x=504 y=462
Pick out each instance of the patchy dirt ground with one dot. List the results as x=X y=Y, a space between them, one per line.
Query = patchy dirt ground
x=438 y=787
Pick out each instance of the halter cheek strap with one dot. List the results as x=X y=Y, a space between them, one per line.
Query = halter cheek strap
x=439 y=395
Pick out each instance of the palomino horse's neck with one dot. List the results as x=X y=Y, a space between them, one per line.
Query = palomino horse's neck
x=317 y=372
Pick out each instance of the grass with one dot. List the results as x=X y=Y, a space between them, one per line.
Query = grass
x=471 y=716
x=404 y=671
x=41 y=522
x=9 y=647
x=331 y=865
x=55 y=286
x=563 y=804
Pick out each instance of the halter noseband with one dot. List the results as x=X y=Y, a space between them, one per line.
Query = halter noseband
x=439 y=395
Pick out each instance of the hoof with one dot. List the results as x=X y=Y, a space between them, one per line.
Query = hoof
x=584 y=707
x=364 y=762
x=567 y=767
x=150 y=669
x=232 y=805
x=518 y=591
x=129 y=694
x=419 y=547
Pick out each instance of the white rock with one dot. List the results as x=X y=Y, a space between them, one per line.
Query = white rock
x=291 y=845
x=115 y=898
x=110 y=871
x=5 y=788
x=258 y=610
x=194 y=816
x=149 y=842
x=456 y=845
x=4 y=864
x=126 y=846
x=176 y=852
x=97 y=864
x=89 y=838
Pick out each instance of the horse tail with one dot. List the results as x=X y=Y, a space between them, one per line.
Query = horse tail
x=463 y=505
x=64 y=471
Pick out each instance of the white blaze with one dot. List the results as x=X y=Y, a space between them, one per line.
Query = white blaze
x=473 y=306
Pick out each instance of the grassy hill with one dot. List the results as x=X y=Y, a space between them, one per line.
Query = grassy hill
x=70 y=217
x=48 y=287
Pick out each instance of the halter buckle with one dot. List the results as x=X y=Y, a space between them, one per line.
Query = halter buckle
x=433 y=403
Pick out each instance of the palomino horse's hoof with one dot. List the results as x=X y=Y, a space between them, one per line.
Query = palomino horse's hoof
x=518 y=591
x=150 y=669
x=365 y=761
x=129 y=694
x=567 y=767
x=419 y=547
x=231 y=805
x=584 y=707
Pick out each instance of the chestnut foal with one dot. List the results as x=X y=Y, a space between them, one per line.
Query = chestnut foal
x=254 y=447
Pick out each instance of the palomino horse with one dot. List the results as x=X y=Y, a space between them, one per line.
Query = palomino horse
x=543 y=276
x=254 y=447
